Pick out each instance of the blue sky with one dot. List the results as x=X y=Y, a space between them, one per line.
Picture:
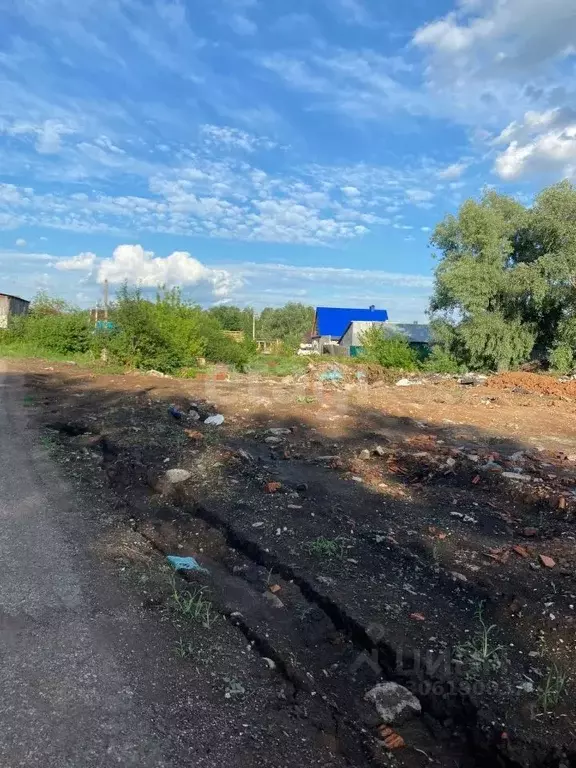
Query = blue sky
x=261 y=151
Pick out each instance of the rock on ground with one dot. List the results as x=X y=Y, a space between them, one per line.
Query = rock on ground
x=393 y=702
x=174 y=476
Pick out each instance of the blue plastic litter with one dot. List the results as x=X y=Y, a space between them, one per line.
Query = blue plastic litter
x=173 y=411
x=332 y=375
x=185 y=563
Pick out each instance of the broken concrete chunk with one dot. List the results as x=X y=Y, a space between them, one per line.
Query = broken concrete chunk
x=393 y=702
x=364 y=454
x=174 y=476
x=516 y=476
x=547 y=562
x=277 y=431
x=273 y=440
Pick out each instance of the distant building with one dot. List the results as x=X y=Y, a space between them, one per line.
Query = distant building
x=418 y=335
x=330 y=323
x=10 y=306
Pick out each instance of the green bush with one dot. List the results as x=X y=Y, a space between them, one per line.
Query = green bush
x=222 y=349
x=561 y=358
x=390 y=350
x=441 y=361
x=68 y=333
x=163 y=335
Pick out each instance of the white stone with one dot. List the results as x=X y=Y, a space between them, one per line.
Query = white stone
x=393 y=702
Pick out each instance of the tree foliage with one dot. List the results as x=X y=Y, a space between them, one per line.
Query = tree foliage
x=390 y=350
x=506 y=280
x=290 y=323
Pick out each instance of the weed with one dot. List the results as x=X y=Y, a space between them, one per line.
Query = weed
x=328 y=548
x=48 y=441
x=183 y=649
x=305 y=399
x=551 y=689
x=193 y=605
x=233 y=688
x=480 y=654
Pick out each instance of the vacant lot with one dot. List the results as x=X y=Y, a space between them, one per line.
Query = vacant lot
x=355 y=532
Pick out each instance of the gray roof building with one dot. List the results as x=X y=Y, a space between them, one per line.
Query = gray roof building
x=11 y=305
x=416 y=333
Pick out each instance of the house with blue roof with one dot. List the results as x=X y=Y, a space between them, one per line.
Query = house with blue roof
x=330 y=323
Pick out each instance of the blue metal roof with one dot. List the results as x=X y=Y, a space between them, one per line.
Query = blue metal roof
x=333 y=321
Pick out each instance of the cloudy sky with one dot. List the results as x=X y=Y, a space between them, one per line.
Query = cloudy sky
x=260 y=151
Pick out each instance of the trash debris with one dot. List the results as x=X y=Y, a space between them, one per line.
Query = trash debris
x=530 y=532
x=273 y=440
x=175 y=412
x=274 y=600
x=174 y=476
x=392 y=740
x=331 y=375
x=520 y=550
x=270 y=664
x=404 y=383
x=185 y=563
x=516 y=476
x=277 y=431
x=527 y=687
x=152 y=372
x=274 y=588
x=417 y=617
x=473 y=379
x=193 y=415
x=393 y=702
x=547 y=562
x=245 y=455
x=215 y=420
x=364 y=454
x=273 y=487
x=194 y=434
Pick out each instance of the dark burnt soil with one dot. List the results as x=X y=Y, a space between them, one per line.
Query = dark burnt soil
x=397 y=547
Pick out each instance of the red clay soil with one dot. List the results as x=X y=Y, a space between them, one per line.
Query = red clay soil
x=533 y=382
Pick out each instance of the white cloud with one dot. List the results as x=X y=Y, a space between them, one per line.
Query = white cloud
x=82 y=262
x=453 y=171
x=234 y=138
x=20 y=242
x=363 y=85
x=49 y=137
x=419 y=196
x=541 y=144
x=242 y=25
x=505 y=33
x=134 y=264
x=353 y=10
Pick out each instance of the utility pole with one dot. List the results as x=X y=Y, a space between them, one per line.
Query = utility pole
x=106 y=300
x=253 y=325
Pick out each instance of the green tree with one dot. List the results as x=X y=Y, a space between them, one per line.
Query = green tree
x=505 y=280
x=289 y=323
x=233 y=318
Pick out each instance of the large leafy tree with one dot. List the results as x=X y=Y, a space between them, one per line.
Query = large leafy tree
x=289 y=323
x=506 y=279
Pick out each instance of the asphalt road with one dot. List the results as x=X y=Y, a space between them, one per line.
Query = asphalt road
x=84 y=678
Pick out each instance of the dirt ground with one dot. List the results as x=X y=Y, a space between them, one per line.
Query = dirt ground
x=355 y=532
